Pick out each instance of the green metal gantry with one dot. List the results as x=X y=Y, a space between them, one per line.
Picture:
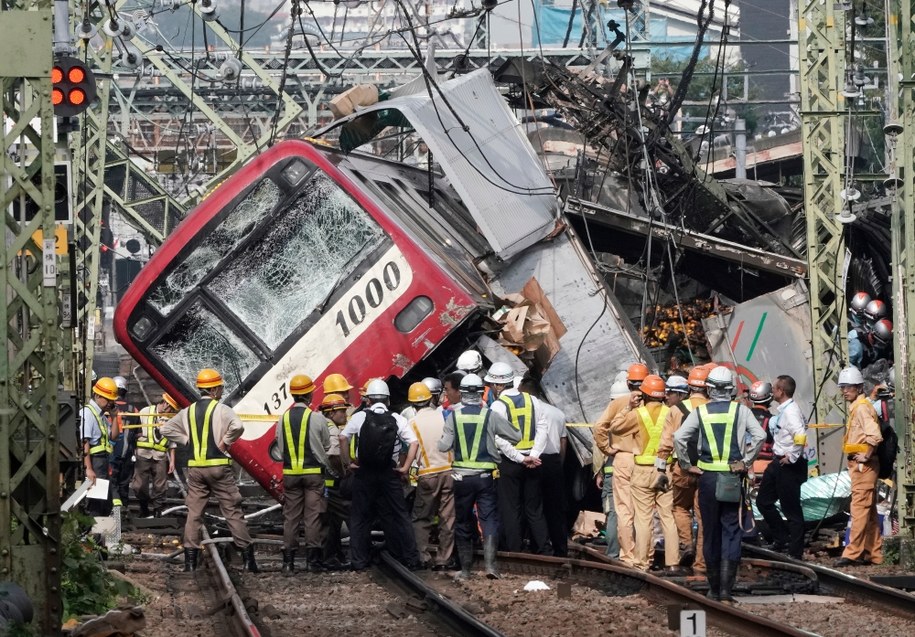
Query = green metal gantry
x=31 y=359
x=901 y=142
x=821 y=47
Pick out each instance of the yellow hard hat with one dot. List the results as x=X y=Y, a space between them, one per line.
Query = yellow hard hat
x=333 y=402
x=207 y=378
x=418 y=393
x=171 y=401
x=336 y=383
x=106 y=388
x=301 y=384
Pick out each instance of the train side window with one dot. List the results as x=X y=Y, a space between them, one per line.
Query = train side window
x=412 y=315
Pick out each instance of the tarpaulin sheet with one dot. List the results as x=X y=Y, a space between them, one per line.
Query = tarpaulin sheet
x=823 y=496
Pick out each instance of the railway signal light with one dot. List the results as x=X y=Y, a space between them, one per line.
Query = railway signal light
x=72 y=86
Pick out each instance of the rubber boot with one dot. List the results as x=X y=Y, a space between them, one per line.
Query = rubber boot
x=250 y=563
x=728 y=578
x=489 y=557
x=190 y=559
x=288 y=561
x=315 y=561
x=465 y=554
x=144 y=509
x=713 y=574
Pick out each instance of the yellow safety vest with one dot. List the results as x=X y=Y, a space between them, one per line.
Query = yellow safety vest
x=521 y=418
x=206 y=453
x=851 y=448
x=471 y=458
x=654 y=429
x=295 y=452
x=149 y=435
x=104 y=444
x=720 y=455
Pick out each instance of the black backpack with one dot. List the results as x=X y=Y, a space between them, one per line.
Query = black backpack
x=888 y=448
x=376 y=441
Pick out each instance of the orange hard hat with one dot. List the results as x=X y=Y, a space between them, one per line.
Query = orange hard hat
x=336 y=383
x=207 y=378
x=697 y=376
x=637 y=372
x=171 y=401
x=709 y=366
x=333 y=402
x=418 y=393
x=106 y=388
x=654 y=386
x=301 y=384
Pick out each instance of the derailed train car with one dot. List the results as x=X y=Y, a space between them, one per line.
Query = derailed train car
x=312 y=260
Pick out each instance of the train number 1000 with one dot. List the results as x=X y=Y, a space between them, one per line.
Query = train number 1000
x=373 y=296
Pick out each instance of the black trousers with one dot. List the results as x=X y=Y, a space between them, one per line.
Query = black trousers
x=478 y=490
x=554 y=502
x=721 y=532
x=121 y=475
x=520 y=500
x=782 y=483
x=380 y=494
x=100 y=508
x=338 y=512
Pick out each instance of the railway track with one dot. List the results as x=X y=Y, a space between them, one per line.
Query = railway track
x=841 y=584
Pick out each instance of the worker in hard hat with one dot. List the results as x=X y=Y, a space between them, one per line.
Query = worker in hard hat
x=123 y=451
x=862 y=436
x=211 y=428
x=519 y=484
x=337 y=384
x=651 y=423
x=859 y=303
x=303 y=441
x=602 y=467
x=434 y=483
x=471 y=362
x=155 y=457
x=619 y=452
x=97 y=432
x=337 y=483
x=434 y=386
x=686 y=485
x=719 y=430
x=787 y=471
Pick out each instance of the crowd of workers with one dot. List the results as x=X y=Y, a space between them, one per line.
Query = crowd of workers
x=485 y=456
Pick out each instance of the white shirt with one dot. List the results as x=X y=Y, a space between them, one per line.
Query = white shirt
x=787 y=423
x=404 y=432
x=556 y=429
x=543 y=425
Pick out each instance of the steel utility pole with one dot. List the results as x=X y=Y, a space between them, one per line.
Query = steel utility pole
x=821 y=35
x=30 y=356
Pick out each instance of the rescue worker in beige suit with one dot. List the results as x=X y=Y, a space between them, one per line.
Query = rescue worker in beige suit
x=211 y=428
x=155 y=457
x=862 y=435
x=434 y=481
x=652 y=423
x=303 y=440
x=619 y=452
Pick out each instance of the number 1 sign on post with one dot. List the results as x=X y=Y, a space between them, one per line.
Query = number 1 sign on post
x=692 y=623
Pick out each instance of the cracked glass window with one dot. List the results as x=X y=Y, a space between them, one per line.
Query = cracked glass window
x=259 y=203
x=276 y=282
x=199 y=339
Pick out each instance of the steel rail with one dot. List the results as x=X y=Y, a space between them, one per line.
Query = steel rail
x=726 y=617
x=450 y=615
x=860 y=590
x=236 y=614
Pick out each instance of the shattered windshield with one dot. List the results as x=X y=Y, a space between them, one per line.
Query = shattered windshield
x=259 y=203
x=279 y=279
x=199 y=339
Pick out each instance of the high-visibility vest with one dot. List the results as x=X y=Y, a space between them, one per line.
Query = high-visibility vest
x=298 y=460
x=608 y=469
x=521 y=416
x=104 y=444
x=850 y=448
x=719 y=445
x=654 y=428
x=206 y=452
x=150 y=441
x=470 y=425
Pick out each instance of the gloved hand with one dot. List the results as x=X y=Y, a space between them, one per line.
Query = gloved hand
x=738 y=467
x=662 y=483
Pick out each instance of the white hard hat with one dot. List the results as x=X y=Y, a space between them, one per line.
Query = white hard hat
x=677 y=383
x=720 y=378
x=472 y=384
x=500 y=373
x=850 y=376
x=618 y=389
x=377 y=388
x=121 y=382
x=470 y=361
x=434 y=384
